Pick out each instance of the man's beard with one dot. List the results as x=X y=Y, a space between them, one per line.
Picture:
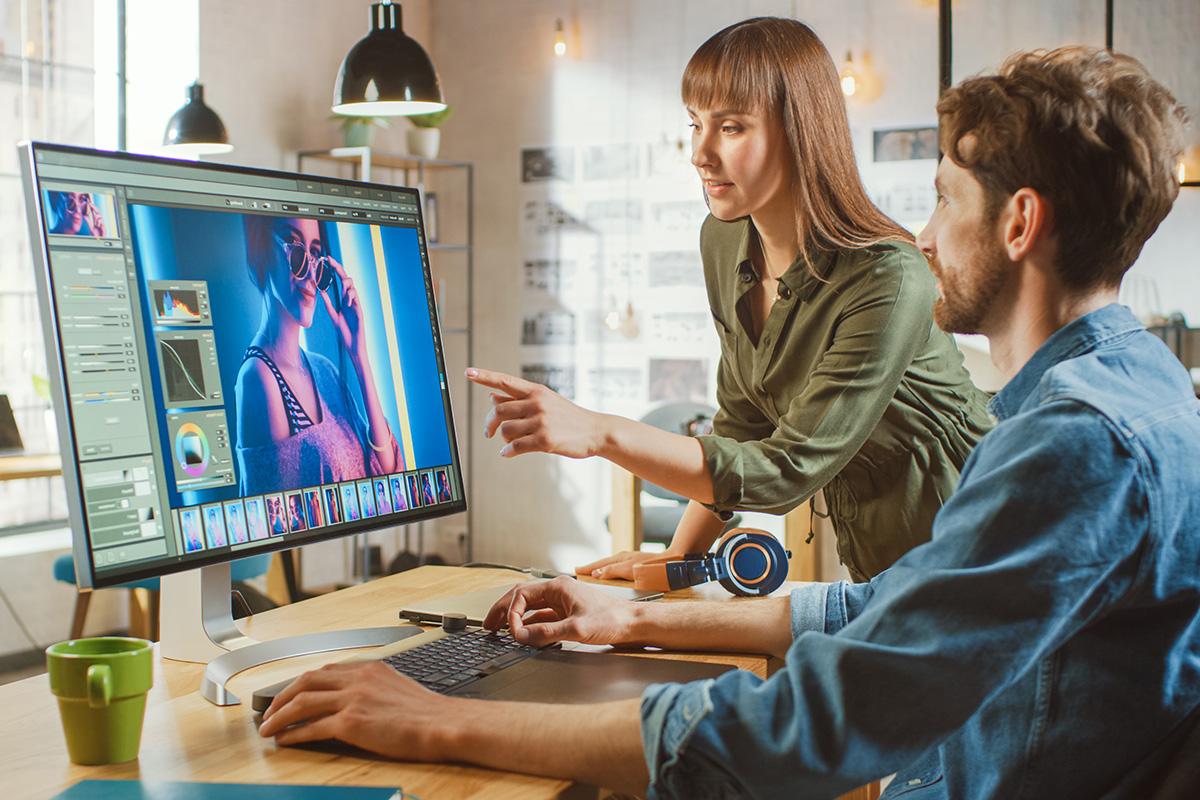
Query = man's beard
x=969 y=292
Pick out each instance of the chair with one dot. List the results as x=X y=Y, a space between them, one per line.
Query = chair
x=630 y=523
x=144 y=598
x=656 y=523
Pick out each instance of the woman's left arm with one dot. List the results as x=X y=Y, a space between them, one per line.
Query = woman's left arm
x=348 y=321
x=381 y=441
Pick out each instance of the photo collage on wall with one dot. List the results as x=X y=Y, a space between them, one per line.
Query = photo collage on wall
x=615 y=312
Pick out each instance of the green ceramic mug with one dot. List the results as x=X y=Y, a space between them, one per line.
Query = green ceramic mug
x=101 y=686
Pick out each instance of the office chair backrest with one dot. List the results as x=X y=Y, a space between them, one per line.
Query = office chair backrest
x=675 y=417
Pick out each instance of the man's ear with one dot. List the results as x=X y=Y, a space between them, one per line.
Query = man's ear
x=1028 y=224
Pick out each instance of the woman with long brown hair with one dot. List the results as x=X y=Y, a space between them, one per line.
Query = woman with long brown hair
x=832 y=373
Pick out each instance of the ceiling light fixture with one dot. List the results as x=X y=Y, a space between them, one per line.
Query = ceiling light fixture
x=195 y=129
x=560 y=39
x=849 y=76
x=387 y=73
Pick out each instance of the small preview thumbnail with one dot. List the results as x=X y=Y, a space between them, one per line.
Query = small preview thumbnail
x=350 y=502
x=333 y=512
x=89 y=214
x=256 y=518
x=295 y=513
x=313 y=508
x=191 y=528
x=214 y=526
x=414 y=490
x=442 y=478
x=235 y=522
x=427 y=489
x=399 y=495
x=366 y=499
x=383 y=500
x=277 y=522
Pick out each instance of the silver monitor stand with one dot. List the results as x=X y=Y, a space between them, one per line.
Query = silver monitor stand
x=196 y=624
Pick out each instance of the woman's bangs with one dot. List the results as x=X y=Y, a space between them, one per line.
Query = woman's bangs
x=716 y=78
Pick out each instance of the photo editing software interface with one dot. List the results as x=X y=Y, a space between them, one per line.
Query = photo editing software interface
x=247 y=357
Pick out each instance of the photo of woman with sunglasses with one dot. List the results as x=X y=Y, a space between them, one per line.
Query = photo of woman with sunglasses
x=76 y=214
x=296 y=423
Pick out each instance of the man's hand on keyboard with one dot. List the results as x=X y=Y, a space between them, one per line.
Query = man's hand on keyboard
x=563 y=609
x=368 y=705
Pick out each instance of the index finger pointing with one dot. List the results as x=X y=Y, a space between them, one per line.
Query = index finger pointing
x=509 y=384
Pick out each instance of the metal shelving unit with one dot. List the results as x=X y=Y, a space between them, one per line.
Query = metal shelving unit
x=366 y=164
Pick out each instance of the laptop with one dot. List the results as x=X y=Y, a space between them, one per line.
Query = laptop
x=10 y=437
x=473 y=662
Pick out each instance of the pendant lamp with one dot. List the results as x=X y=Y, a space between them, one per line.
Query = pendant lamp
x=387 y=73
x=195 y=129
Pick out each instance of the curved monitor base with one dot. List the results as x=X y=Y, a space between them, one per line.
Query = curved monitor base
x=196 y=624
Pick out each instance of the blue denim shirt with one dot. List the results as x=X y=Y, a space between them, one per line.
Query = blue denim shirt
x=1044 y=643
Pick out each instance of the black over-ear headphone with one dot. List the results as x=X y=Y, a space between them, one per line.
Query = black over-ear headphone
x=747 y=562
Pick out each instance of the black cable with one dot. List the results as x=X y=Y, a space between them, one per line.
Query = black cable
x=490 y=565
x=535 y=572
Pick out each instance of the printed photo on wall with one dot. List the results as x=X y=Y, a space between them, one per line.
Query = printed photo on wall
x=559 y=377
x=675 y=379
x=604 y=162
x=906 y=144
x=540 y=164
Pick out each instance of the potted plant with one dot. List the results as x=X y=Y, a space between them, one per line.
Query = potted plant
x=356 y=131
x=424 y=136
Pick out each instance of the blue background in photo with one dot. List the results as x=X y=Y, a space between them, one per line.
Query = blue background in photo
x=193 y=244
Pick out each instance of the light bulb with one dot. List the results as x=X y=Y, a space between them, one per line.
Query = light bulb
x=849 y=76
x=560 y=39
x=1181 y=170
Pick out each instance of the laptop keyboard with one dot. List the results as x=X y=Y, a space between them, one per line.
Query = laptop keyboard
x=459 y=658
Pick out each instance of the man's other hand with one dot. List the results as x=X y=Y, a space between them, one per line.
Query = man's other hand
x=563 y=609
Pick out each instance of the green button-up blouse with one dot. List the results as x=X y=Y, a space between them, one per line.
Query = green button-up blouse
x=850 y=387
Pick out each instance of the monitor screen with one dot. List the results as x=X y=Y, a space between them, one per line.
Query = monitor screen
x=245 y=360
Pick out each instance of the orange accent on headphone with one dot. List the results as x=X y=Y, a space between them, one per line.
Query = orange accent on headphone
x=651 y=575
x=766 y=565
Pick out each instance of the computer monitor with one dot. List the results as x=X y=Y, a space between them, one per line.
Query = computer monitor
x=243 y=360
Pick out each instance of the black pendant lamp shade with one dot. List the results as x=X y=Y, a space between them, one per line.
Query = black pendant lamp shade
x=387 y=73
x=195 y=129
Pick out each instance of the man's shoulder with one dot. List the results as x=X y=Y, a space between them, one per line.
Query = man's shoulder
x=1133 y=381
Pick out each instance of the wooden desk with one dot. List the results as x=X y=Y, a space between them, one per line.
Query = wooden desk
x=16 y=468
x=186 y=738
